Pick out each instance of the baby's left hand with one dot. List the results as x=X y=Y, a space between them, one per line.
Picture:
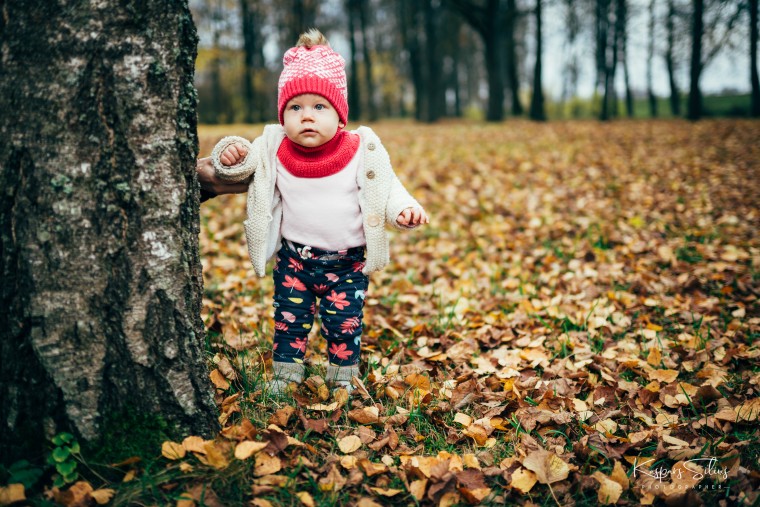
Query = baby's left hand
x=411 y=217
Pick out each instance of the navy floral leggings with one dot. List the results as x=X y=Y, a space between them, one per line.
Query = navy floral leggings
x=300 y=278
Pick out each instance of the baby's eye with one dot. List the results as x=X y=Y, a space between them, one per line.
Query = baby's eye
x=319 y=107
x=295 y=107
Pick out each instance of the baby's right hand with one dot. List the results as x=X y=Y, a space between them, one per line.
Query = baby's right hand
x=233 y=154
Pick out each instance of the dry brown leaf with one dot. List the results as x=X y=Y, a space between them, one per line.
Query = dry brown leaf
x=349 y=444
x=609 y=491
x=12 y=493
x=666 y=376
x=523 y=480
x=548 y=467
x=172 y=450
x=366 y=415
x=103 y=496
x=266 y=465
x=306 y=498
x=219 y=381
x=248 y=448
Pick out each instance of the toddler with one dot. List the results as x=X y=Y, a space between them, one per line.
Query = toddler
x=318 y=198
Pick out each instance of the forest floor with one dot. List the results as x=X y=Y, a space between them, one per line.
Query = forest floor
x=578 y=324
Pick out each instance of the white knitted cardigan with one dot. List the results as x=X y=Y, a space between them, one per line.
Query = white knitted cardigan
x=382 y=197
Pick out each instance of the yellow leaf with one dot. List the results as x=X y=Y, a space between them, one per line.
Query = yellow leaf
x=417 y=488
x=387 y=492
x=248 y=448
x=305 y=499
x=367 y=502
x=216 y=456
x=609 y=491
x=172 y=450
x=463 y=419
x=349 y=444
x=655 y=356
x=297 y=301
x=348 y=462
x=103 y=496
x=618 y=475
x=523 y=480
x=748 y=411
x=666 y=376
x=548 y=467
x=266 y=465
x=260 y=502
x=12 y=493
x=194 y=444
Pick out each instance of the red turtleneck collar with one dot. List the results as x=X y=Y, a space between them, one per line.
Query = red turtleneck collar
x=319 y=161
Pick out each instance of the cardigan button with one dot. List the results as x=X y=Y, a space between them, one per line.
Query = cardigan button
x=370 y=175
x=371 y=146
x=373 y=220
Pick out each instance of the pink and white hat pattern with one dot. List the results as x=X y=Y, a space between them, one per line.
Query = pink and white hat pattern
x=318 y=70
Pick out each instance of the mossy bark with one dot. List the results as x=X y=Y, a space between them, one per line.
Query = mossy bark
x=101 y=279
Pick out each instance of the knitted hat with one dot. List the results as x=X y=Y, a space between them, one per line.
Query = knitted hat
x=316 y=69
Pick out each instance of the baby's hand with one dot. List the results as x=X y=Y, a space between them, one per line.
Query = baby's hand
x=411 y=217
x=233 y=154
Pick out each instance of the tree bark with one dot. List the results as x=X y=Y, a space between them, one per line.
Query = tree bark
x=253 y=51
x=675 y=99
x=354 y=94
x=650 y=60
x=753 y=30
x=622 y=28
x=513 y=78
x=537 y=102
x=694 y=111
x=99 y=223
x=488 y=21
x=432 y=64
x=368 y=80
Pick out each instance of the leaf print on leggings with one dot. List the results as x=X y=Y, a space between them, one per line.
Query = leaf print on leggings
x=293 y=283
x=338 y=300
x=340 y=351
x=349 y=325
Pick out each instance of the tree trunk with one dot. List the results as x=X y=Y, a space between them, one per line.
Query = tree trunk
x=675 y=99
x=99 y=223
x=537 y=102
x=602 y=58
x=354 y=96
x=369 y=84
x=432 y=64
x=488 y=21
x=753 y=29
x=695 y=95
x=253 y=58
x=511 y=56
x=622 y=28
x=650 y=59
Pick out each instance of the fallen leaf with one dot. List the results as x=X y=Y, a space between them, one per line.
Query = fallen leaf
x=548 y=467
x=266 y=465
x=609 y=491
x=12 y=493
x=523 y=480
x=248 y=448
x=349 y=444
x=173 y=450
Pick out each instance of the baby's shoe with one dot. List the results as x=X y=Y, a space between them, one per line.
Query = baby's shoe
x=283 y=375
x=341 y=376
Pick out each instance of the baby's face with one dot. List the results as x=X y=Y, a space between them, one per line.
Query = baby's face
x=310 y=120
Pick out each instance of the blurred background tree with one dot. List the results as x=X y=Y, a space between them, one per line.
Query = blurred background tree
x=484 y=59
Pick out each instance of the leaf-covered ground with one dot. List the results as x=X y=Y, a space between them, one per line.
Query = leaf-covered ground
x=578 y=325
